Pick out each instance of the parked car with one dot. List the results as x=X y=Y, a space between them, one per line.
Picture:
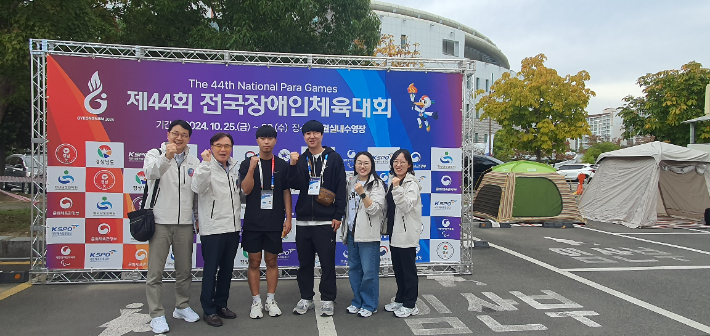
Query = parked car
x=481 y=164
x=572 y=170
x=19 y=165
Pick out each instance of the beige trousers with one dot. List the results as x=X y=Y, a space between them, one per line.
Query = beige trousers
x=181 y=238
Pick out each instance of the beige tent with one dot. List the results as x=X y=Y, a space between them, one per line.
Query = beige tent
x=632 y=186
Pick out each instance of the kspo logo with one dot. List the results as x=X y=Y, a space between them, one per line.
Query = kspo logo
x=65 y=153
x=382 y=159
x=69 y=228
x=104 y=229
x=96 y=87
x=101 y=256
x=141 y=254
x=285 y=253
x=444 y=205
x=445 y=250
x=446 y=180
x=104 y=180
x=66 y=203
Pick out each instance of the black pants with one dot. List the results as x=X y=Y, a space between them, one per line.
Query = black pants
x=218 y=251
x=405 y=273
x=309 y=241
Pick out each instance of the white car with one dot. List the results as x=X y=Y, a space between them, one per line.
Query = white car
x=571 y=170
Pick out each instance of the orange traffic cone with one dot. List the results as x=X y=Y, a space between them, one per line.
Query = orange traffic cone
x=580 y=184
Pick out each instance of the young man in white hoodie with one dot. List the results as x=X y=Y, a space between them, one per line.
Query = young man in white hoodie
x=174 y=213
x=216 y=183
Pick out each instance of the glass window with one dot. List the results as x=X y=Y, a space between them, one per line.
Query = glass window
x=475 y=137
x=403 y=41
x=478 y=83
x=449 y=47
x=488 y=87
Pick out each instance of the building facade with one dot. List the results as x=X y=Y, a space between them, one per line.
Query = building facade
x=438 y=37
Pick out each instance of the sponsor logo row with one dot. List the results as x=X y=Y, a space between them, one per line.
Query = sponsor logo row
x=112 y=155
x=135 y=256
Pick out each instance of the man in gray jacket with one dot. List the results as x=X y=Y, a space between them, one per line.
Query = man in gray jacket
x=216 y=183
x=174 y=215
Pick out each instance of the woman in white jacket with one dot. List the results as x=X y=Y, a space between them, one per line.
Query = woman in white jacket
x=216 y=184
x=364 y=216
x=404 y=221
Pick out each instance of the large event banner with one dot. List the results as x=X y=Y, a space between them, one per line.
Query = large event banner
x=103 y=115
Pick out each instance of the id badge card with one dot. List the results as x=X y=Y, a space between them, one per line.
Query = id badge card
x=314 y=186
x=267 y=199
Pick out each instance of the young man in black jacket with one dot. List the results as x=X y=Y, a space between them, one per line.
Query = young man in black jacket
x=317 y=172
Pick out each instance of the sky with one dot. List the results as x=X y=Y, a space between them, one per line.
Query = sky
x=615 y=41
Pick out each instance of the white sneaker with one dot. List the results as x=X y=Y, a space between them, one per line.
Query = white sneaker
x=303 y=306
x=256 y=309
x=186 y=314
x=366 y=313
x=159 y=325
x=352 y=309
x=272 y=308
x=394 y=306
x=406 y=312
x=326 y=308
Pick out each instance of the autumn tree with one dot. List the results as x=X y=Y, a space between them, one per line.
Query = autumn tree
x=669 y=98
x=339 y=27
x=538 y=109
x=593 y=152
x=389 y=48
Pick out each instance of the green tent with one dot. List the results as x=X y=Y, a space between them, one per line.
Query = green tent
x=525 y=191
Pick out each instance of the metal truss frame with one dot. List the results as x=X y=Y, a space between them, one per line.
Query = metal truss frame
x=39 y=49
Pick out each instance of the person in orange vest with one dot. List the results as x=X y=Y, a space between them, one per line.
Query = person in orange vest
x=580 y=184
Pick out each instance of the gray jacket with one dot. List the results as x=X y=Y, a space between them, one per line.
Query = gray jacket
x=368 y=220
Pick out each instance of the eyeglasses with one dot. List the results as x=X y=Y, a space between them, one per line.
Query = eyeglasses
x=180 y=135
x=400 y=163
x=220 y=146
x=362 y=163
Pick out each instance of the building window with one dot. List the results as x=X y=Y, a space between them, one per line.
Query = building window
x=485 y=138
x=403 y=41
x=488 y=87
x=478 y=83
x=450 y=48
x=478 y=114
x=475 y=137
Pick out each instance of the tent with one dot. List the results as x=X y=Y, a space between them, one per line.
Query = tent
x=527 y=192
x=632 y=186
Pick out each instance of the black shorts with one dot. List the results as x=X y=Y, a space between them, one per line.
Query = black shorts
x=257 y=241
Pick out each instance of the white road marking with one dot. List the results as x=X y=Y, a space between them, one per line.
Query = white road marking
x=665 y=233
x=579 y=316
x=620 y=295
x=650 y=241
x=450 y=280
x=565 y=241
x=533 y=300
x=457 y=327
x=130 y=320
x=703 y=231
x=477 y=304
x=438 y=305
x=646 y=268
x=497 y=327
x=326 y=326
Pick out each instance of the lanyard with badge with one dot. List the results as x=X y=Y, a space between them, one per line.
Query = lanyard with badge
x=315 y=181
x=267 y=196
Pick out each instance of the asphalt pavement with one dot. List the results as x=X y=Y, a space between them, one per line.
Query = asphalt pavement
x=604 y=279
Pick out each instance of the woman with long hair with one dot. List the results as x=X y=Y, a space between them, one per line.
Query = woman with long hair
x=404 y=215
x=363 y=218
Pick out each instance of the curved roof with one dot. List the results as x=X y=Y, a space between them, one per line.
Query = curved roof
x=660 y=151
x=524 y=167
x=474 y=39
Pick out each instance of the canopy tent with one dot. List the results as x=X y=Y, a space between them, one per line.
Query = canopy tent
x=632 y=186
x=524 y=191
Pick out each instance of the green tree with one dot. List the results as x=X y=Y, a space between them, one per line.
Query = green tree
x=80 y=20
x=669 y=98
x=538 y=110
x=592 y=153
x=339 y=27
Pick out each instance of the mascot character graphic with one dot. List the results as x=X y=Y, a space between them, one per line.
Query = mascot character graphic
x=421 y=107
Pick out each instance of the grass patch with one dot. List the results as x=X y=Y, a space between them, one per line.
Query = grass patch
x=15 y=222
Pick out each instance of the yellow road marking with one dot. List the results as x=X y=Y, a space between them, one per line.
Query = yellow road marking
x=15 y=290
